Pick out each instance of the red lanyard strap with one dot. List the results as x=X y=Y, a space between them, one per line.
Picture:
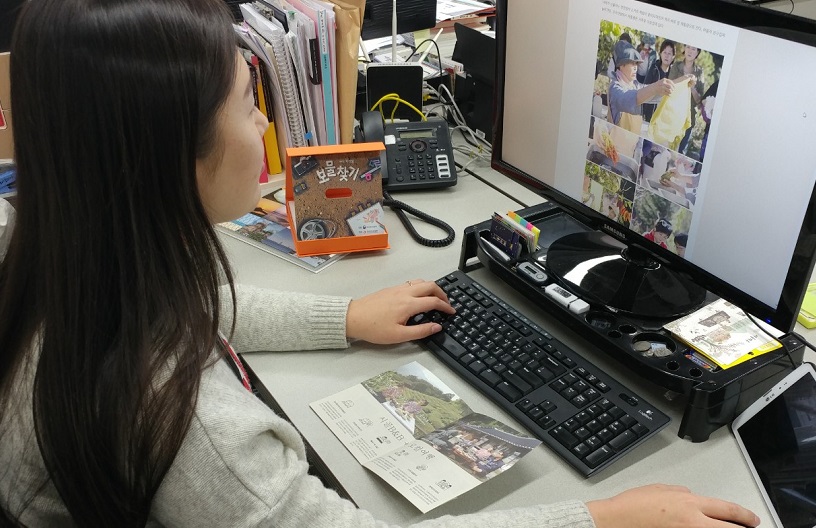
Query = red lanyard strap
x=239 y=369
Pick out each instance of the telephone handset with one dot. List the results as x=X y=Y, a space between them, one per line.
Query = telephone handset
x=418 y=154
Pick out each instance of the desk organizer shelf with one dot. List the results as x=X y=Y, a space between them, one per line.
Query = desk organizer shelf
x=713 y=397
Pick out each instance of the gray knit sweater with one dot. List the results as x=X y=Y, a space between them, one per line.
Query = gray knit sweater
x=240 y=463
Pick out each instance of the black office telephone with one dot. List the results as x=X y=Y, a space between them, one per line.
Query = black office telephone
x=419 y=153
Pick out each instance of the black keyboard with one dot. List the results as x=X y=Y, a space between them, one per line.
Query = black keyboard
x=580 y=412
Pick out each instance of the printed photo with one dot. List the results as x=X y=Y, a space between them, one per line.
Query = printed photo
x=417 y=398
x=481 y=445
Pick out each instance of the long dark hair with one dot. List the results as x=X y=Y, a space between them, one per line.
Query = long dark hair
x=113 y=269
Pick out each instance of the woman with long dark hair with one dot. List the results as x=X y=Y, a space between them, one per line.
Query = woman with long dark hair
x=122 y=402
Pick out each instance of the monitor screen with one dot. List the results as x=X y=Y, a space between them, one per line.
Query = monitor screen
x=685 y=127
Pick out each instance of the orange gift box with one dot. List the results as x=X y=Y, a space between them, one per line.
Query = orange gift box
x=334 y=198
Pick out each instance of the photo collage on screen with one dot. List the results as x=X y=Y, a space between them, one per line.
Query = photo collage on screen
x=652 y=106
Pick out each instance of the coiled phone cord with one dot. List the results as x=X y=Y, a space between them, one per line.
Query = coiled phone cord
x=402 y=208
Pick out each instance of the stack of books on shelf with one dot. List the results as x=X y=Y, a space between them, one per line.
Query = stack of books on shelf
x=306 y=71
x=471 y=13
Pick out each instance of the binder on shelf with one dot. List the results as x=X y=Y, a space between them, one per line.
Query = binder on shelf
x=322 y=16
x=255 y=44
x=298 y=39
x=263 y=100
x=281 y=71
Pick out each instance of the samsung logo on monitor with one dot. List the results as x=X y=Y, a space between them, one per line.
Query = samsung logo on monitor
x=611 y=230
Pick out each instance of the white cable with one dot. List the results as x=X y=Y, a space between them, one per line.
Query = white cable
x=428 y=47
x=459 y=118
x=484 y=149
x=394 y=32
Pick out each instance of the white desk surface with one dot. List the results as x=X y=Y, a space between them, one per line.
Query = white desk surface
x=295 y=379
x=802 y=8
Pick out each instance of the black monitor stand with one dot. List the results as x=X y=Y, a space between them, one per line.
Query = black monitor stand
x=713 y=397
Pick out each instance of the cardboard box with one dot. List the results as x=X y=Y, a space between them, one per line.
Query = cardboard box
x=334 y=198
x=6 y=143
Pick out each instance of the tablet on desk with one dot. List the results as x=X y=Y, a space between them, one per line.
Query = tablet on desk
x=777 y=436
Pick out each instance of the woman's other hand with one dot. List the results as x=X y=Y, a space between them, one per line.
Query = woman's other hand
x=664 y=506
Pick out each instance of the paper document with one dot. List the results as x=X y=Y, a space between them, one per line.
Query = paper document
x=723 y=333
x=447 y=9
x=416 y=434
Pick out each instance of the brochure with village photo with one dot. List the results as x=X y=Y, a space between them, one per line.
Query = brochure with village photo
x=415 y=433
x=724 y=334
x=267 y=228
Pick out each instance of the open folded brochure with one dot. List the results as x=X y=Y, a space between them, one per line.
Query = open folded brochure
x=410 y=429
x=724 y=334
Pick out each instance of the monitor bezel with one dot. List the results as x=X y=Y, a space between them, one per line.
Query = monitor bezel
x=801 y=267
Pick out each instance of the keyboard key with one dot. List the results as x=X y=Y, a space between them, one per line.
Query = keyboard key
x=525 y=405
x=553 y=365
x=599 y=456
x=640 y=430
x=544 y=373
x=582 y=433
x=545 y=422
x=508 y=391
x=591 y=394
x=559 y=385
x=581 y=450
x=476 y=367
x=622 y=440
x=530 y=378
x=569 y=393
x=627 y=420
x=449 y=345
x=490 y=377
x=572 y=424
x=564 y=437
x=593 y=442
x=516 y=381
x=535 y=413
x=467 y=359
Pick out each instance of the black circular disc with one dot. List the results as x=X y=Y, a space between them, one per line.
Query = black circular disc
x=599 y=268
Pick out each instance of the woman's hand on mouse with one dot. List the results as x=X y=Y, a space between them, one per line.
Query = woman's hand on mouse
x=382 y=317
x=665 y=506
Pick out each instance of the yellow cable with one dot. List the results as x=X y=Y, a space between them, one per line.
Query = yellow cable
x=396 y=98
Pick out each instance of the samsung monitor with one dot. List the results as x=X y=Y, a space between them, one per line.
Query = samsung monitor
x=683 y=130
x=412 y=15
